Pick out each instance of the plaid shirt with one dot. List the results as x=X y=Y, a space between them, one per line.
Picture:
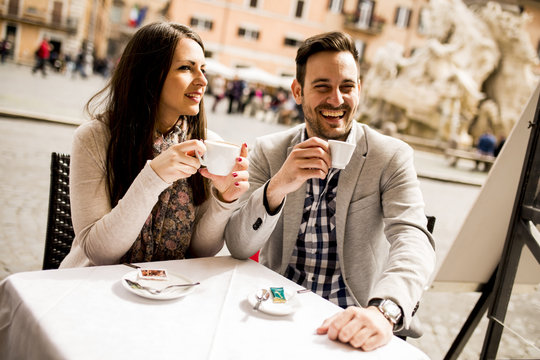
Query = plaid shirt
x=314 y=263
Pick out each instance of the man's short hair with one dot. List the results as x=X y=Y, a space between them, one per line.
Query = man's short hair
x=330 y=41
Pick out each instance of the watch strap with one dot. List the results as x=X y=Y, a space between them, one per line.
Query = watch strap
x=375 y=302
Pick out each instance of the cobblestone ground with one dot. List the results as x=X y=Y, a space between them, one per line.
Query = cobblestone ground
x=25 y=148
x=24 y=182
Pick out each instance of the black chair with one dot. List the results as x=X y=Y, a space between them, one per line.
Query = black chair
x=430 y=223
x=59 y=227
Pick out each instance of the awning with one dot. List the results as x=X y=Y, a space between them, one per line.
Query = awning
x=214 y=67
x=259 y=76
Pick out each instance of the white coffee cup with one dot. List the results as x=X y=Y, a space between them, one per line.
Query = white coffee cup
x=220 y=157
x=340 y=152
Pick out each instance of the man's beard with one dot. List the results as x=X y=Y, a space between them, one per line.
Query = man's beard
x=318 y=127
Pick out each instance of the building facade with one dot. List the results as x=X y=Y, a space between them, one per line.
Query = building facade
x=244 y=33
x=125 y=17
x=24 y=23
x=237 y=33
x=266 y=33
x=97 y=27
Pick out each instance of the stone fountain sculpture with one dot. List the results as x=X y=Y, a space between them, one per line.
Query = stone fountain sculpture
x=473 y=73
x=511 y=84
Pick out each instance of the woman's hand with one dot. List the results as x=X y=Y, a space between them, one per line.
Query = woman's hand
x=232 y=186
x=178 y=161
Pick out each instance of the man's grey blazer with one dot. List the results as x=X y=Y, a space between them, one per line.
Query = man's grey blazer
x=384 y=247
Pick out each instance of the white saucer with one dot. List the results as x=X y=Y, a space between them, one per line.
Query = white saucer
x=168 y=294
x=272 y=308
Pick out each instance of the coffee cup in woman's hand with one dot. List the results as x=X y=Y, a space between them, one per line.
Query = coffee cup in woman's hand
x=178 y=161
x=232 y=185
x=220 y=157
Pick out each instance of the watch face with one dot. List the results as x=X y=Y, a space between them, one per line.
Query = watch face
x=391 y=308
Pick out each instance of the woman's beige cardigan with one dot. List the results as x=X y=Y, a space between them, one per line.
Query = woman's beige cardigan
x=102 y=234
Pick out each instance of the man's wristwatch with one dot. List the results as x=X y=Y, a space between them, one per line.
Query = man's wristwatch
x=389 y=309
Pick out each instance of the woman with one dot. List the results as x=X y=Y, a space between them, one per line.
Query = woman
x=137 y=192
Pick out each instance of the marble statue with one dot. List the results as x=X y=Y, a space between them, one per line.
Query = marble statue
x=461 y=81
x=513 y=81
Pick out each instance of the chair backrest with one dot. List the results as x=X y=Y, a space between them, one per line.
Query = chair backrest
x=431 y=223
x=59 y=227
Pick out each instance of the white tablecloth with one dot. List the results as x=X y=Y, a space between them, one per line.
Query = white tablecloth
x=86 y=313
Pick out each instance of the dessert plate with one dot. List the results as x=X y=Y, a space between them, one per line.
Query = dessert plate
x=168 y=294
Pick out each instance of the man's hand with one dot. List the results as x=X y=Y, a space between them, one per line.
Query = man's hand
x=309 y=159
x=364 y=328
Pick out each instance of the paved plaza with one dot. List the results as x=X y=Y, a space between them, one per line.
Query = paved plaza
x=39 y=115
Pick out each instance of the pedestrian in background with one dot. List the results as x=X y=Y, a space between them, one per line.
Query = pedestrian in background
x=500 y=144
x=486 y=143
x=136 y=191
x=255 y=103
x=218 y=87
x=235 y=90
x=79 y=65
x=486 y=147
x=69 y=65
x=43 y=54
x=5 y=49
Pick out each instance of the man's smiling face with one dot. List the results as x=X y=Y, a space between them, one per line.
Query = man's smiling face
x=330 y=95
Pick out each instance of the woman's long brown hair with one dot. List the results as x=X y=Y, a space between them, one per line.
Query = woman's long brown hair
x=129 y=104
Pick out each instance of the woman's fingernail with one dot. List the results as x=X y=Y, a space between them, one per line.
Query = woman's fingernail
x=234 y=174
x=239 y=159
x=236 y=183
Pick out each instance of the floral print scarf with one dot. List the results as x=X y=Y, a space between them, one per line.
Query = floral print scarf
x=166 y=234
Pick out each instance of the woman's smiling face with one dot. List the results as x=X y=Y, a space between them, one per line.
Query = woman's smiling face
x=184 y=85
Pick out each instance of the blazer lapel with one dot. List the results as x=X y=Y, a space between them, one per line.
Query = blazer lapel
x=348 y=178
x=292 y=217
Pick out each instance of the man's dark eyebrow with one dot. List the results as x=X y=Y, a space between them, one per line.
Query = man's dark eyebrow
x=325 y=80
x=320 y=80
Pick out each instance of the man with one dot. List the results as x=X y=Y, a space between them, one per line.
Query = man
x=356 y=236
x=5 y=48
x=42 y=56
x=486 y=147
